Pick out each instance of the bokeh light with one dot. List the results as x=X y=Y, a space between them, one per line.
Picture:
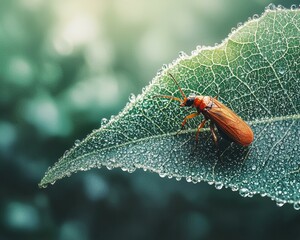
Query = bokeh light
x=65 y=65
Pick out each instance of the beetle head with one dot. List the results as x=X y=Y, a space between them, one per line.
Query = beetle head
x=188 y=101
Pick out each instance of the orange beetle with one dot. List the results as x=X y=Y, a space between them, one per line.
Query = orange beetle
x=230 y=125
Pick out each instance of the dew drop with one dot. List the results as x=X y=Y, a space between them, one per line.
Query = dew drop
x=182 y=54
x=210 y=182
x=297 y=205
x=66 y=153
x=271 y=6
x=188 y=179
x=164 y=67
x=280 y=203
x=159 y=72
x=52 y=183
x=145 y=104
x=253 y=167
x=263 y=194
x=280 y=7
x=131 y=97
x=244 y=192
x=281 y=71
x=194 y=53
x=294 y=7
x=104 y=121
x=239 y=24
x=109 y=167
x=124 y=169
x=199 y=47
x=219 y=185
x=178 y=178
x=255 y=16
x=77 y=142
x=162 y=174
x=43 y=186
x=131 y=169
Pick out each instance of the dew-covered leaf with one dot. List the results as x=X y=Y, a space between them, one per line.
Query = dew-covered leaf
x=255 y=72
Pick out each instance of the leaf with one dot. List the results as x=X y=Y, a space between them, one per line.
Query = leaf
x=255 y=72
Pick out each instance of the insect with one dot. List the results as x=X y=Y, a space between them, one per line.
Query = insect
x=228 y=123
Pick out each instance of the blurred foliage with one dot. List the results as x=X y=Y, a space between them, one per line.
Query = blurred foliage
x=65 y=65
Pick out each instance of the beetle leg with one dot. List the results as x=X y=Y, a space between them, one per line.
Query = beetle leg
x=192 y=115
x=201 y=125
x=212 y=129
x=188 y=117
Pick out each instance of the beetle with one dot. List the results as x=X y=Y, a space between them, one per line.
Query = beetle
x=228 y=123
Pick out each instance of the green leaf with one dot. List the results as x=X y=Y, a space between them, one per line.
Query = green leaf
x=255 y=72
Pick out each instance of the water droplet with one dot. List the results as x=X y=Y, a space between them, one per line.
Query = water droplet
x=188 y=179
x=104 y=121
x=297 y=205
x=131 y=169
x=219 y=185
x=164 y=67
x=124 y=168
x=178 y=178
x=281 y=71
x=244 y=192
x=294 y=7
x=159 y=72
x=263 y=194
x=239 y=24
x=255 y=16
x=280 y=203
x=271 y=6
x=145 y=104
x=253 y=167
x=280 y=7
x=194 y=53
x=66 y=153
x=182 y=54
x=109 y=167
x=113 y=160
x=199 y=47
x=77 y=142
x=131 y=97
x=195 y=180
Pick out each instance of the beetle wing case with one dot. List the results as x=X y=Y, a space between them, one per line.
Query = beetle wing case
x=230 y=123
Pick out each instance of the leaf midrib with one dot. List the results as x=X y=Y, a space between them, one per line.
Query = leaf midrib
x=262 y=121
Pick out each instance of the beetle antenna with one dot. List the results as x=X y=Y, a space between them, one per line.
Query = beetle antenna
x=182 y=93
x=169 y=97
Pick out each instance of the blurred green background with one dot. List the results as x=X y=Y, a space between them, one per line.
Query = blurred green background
x=65 y=65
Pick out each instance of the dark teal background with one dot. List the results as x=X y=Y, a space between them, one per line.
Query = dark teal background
x=64 y=66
